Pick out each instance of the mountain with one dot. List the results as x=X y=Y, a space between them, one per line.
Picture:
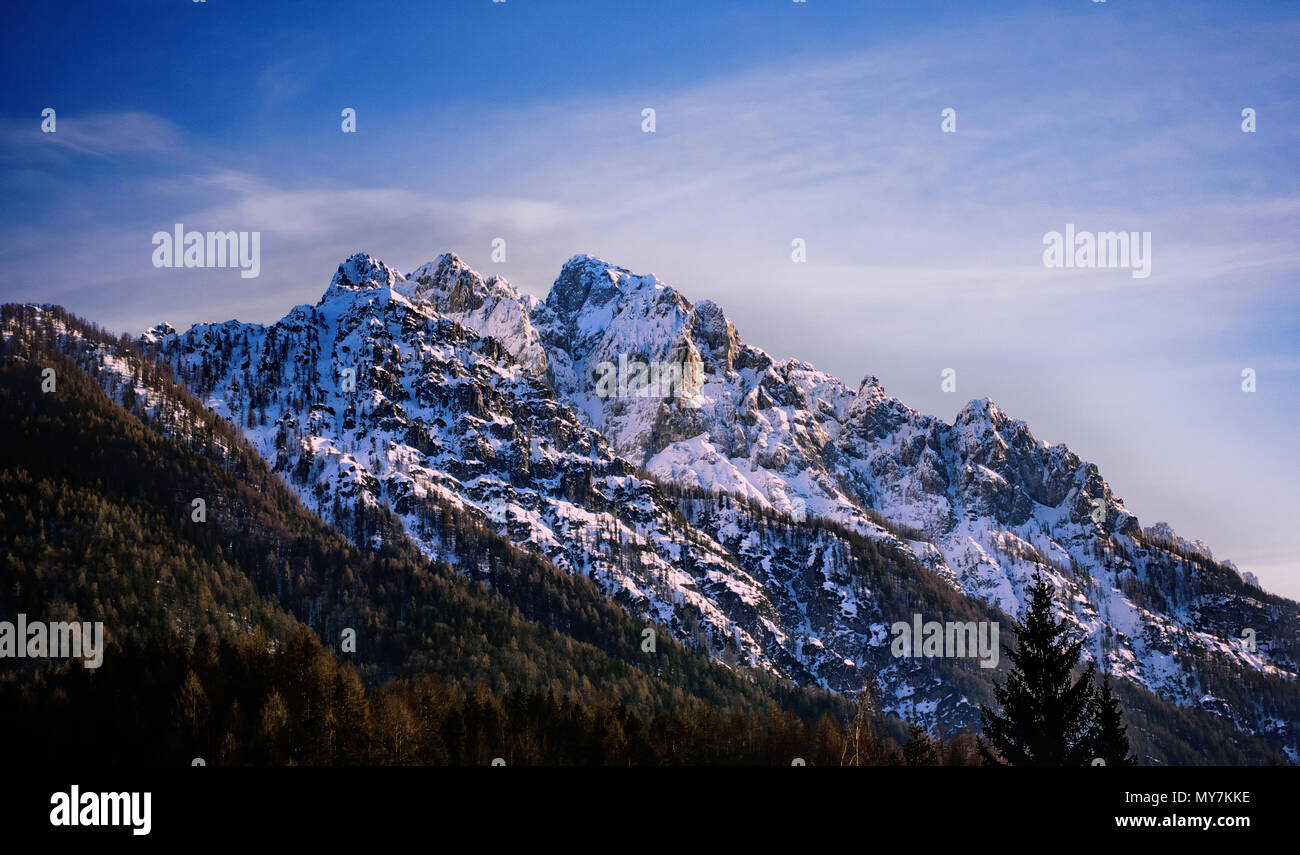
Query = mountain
x=762 y=511
x=979 y=501
x=214 y=623
x=100 y=474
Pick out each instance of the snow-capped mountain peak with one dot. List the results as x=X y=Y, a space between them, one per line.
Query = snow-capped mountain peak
x=469 y=392
x=361 y=272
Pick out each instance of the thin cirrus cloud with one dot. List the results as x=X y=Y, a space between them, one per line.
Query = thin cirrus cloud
x=96 y=135
x=106 y=271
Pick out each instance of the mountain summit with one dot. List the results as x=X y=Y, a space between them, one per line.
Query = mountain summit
x=447 y=387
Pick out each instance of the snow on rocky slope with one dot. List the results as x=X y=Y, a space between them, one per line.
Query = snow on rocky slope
x=445 y=387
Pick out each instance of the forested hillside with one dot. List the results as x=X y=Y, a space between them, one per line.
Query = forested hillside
x=97 y=522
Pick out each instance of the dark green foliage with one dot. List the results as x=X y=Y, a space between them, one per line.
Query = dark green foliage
x=1109 y=736
x=1048 y=716
x=234 y=701
x=920 y=749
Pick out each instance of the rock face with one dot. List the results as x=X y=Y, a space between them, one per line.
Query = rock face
x=443 y=387
x=492 y=306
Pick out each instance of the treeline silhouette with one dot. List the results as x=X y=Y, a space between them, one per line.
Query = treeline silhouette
x=235 y=701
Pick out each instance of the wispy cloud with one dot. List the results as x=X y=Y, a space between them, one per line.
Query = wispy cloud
x=924 y=248
x=301 y=61
x=98 y=135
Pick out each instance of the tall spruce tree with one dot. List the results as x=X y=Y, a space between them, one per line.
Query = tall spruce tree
x=920 y=749
x=1109 y=739
x=1047 y=715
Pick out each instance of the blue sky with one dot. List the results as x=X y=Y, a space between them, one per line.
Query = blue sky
x=775 y=120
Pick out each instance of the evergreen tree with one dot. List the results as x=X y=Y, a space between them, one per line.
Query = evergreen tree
x=1047 y=715
x=1109 y=738
x=920 y=750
